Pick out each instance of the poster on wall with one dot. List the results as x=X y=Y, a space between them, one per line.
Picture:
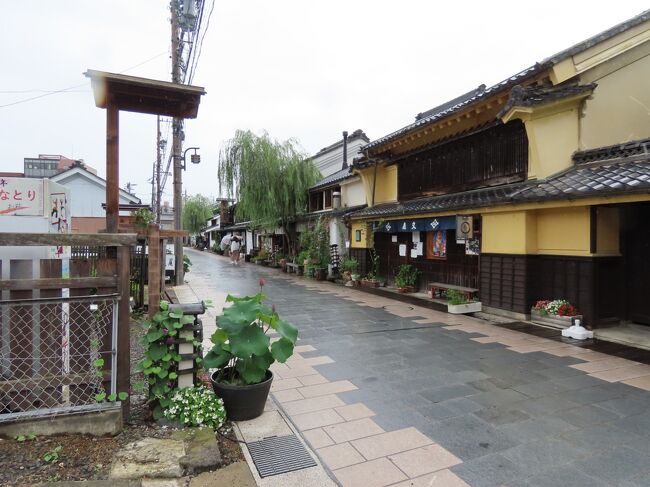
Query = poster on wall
x=59 y=213
x=473 y=247
x=437 y=244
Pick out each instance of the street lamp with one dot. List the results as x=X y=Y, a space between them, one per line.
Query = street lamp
x=194 y=158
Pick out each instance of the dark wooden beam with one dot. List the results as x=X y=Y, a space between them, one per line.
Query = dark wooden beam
x=92 y=239
x=58 y=283
x=593 y=229
x=123 y=328
x=112 y=169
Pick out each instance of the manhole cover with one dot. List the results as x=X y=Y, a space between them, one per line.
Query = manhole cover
x=279 y=454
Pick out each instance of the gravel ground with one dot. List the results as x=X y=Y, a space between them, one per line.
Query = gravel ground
x=88 y=458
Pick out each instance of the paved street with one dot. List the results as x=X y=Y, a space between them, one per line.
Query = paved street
x=388 y=393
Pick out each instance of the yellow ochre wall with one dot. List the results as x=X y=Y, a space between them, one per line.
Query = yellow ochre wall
x=386 y=186
x=365 y=235
x=557 y=231
x=619 y=110
x=552 y=139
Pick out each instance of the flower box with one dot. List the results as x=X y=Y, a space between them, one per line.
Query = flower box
x=370 y=282
x=555 y=321
x=406 y=289
x=472 y=307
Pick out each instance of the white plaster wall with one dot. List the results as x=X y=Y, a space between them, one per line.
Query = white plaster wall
x=86 y=197
x=332 y=161
x=353 y=194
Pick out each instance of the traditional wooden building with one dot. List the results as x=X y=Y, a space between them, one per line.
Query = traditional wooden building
x=535 y=188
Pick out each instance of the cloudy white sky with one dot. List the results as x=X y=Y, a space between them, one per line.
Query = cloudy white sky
x=298 y=69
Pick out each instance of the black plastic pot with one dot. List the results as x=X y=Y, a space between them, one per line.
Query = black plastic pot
x=243 y=402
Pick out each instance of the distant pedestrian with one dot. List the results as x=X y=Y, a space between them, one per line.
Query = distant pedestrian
x=235 y=245
x=225 y=243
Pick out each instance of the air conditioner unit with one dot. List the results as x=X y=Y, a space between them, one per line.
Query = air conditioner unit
x=464 y=227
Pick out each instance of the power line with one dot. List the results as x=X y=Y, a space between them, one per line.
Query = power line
x=69 y=89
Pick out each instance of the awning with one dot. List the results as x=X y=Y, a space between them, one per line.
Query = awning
x=416 y=225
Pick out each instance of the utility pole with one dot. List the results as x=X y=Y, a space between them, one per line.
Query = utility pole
x=177 y=148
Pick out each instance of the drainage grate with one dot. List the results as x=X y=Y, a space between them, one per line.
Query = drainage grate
x=279 y=454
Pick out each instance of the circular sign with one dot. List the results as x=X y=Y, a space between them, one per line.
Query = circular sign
x=465 y=227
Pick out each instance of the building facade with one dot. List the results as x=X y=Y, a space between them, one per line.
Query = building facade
x=534 y=188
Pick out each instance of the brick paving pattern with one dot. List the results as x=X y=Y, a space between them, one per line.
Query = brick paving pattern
x=395 y=394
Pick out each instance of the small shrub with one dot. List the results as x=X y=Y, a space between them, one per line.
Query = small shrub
x=196 y=406
x=455 y=297
x=53 y=454
x=350 y=265
x=407 y=275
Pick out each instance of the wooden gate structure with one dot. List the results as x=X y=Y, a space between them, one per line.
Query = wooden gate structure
x=58 y=317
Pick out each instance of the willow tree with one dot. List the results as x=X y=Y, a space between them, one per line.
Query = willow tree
x=268 y=179
x=196 y=211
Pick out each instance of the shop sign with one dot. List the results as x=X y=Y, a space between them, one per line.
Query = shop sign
x=417 y=225
x=21 y=196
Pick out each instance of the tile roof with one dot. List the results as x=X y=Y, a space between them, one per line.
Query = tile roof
x=606 y=171
x=468 y=99
x=447 y=110
x=333 y=178
x=529 y=96
x=455 y=201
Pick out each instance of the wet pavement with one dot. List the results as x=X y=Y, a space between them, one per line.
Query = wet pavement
x=393 y=394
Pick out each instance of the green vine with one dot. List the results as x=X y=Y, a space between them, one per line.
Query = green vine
x=160 y=362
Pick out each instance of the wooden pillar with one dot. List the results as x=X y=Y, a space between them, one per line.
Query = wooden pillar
x=123 y=335
x=154 y=269
x=112 y=168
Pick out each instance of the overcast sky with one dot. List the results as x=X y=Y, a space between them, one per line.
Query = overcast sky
x=298 y=69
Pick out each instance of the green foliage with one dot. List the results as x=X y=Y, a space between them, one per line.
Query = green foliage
x=374 y=265
x=196 y=406
x=196 y=211
x=23 y=438
x=455 y=297
x=187 y=263
x=160 y=361
x=407 y=275
x=53 y=454
x=242 y=349
x=143 y=217
x=269 y=179
x=315 y=244
x=350 y=265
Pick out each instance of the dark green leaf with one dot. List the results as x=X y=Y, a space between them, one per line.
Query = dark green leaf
x=164 y=305
x=154 y=335
x=159 y=317
x=285 y=329
x=219 y=336
x=162 y=374
x=173 y=376
x=187 y=319
x=176 y=314
x=282 y=350
x=99 y=363
x=157 y=351
x=250 y=341
x=100 y=397
x=216 y=358
x=167 y=357
x=123 y=396
x=250 y=371
x=112 y=397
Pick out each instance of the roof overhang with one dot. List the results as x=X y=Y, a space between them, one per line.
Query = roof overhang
x=144 y=95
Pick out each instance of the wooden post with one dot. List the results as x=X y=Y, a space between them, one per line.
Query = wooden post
x=154 y=269
x=112 y=168
x=123 y=332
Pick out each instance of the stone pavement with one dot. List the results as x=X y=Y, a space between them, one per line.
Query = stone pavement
x=391 y=394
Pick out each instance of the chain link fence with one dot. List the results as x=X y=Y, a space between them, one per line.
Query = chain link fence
x=56 y=352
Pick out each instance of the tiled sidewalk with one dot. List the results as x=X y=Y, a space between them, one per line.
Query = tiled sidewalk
x=395 y=394
x=357 y=450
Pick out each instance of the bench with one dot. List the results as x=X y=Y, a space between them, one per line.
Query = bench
x=439 y=287
x=294 y=268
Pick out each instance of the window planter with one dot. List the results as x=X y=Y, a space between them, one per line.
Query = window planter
x=457 y=309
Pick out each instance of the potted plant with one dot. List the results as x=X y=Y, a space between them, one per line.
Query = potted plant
x=457 y=303
x=350 y=267
x=406 y=278
x=558 y=313
x=242 y=354
x=371 y=279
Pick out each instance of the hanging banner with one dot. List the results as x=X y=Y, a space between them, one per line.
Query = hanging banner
x=416 y=225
